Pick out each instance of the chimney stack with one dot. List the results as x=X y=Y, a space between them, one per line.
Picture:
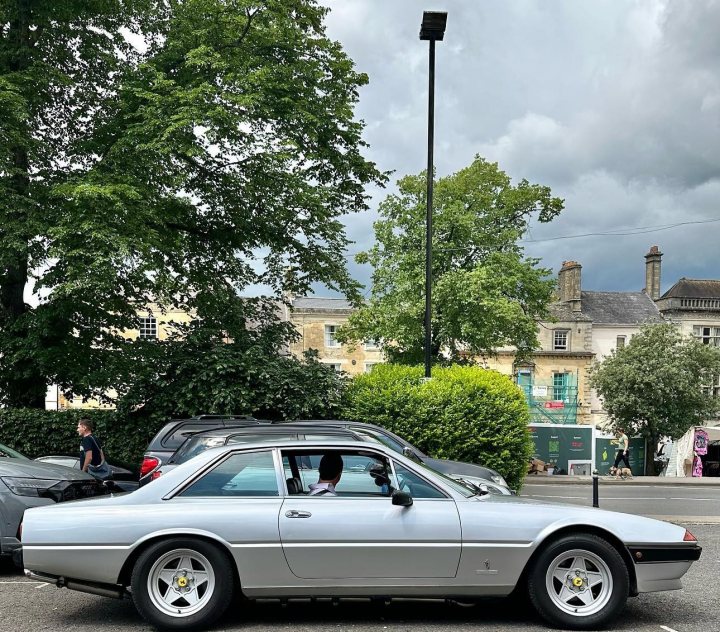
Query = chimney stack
x=652 y=273
x=569 y=285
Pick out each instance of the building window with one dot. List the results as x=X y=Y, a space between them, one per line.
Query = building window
x=707 y=335
x=561 y=339
x=714 y=389
x=525 y=381
x=372 y=345
x=620 y=344
x=561 y=382
x=330 y=331
x=148 y=328
x=336 y=366
x=369 y=366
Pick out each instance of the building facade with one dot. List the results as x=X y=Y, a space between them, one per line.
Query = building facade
x=317 y=321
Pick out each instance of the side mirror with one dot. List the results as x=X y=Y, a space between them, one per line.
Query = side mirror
x=409 y=453
x=402 y=499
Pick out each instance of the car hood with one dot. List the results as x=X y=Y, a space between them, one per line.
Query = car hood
x=548 y=516
x=458 y=468
x=33 y=469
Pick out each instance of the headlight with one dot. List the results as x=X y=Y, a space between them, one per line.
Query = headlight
x=28 y=486
x=499 y=480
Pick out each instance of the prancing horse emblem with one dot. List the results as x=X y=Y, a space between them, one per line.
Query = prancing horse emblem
x=487 y=570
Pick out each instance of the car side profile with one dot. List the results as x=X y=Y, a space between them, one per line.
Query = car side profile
x=239 y=520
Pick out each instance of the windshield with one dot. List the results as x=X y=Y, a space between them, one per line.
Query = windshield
x=461 y=488
x=10 y=453
x=194 y=446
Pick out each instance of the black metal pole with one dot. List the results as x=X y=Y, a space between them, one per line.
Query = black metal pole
x=596 y=503
x=428 y=218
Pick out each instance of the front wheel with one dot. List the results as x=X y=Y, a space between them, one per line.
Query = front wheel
x=579 y=582
x=182 y=584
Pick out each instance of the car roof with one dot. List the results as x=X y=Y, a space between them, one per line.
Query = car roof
x=269 y=429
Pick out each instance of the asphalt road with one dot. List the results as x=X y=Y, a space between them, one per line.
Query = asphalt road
x=26 y=605
x=669 y=502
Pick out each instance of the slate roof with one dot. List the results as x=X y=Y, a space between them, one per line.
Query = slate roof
x=563 y=313
x=619 y=308
x=693 y=288
x=320 y=304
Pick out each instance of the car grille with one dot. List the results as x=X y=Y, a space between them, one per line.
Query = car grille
x=67 y=490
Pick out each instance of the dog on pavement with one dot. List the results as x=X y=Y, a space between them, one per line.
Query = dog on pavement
x=621 y=472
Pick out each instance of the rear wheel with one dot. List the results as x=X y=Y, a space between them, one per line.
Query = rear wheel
x=579 y=582
x=182 y=584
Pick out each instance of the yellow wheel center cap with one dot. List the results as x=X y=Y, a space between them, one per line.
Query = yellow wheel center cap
x=577 y=581
x=183 y=582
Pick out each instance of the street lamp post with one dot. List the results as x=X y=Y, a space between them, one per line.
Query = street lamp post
x=432 y=29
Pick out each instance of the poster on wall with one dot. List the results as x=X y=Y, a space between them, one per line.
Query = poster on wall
x=606 y=449
x=557 y=445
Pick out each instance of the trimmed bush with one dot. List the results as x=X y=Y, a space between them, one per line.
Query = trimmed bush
x=36 y=433
x=463 y=413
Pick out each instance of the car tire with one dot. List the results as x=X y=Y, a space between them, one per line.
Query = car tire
x=182 y=584
x=579 y=582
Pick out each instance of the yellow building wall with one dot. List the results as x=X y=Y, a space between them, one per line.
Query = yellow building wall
x=311 y=327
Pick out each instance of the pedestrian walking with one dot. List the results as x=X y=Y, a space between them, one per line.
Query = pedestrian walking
x=92 y=457
x=623 y=450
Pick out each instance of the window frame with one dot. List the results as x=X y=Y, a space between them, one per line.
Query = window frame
x=555 y=345
x=208 y=467
x=331 y=337
x=619 y=344
x=148 y=323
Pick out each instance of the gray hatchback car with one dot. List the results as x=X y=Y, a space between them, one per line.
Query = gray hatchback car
x=25 y=484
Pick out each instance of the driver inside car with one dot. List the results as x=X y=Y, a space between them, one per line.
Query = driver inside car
x=330 y=471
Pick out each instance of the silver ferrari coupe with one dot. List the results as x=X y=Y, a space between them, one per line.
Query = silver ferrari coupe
x=344 y=519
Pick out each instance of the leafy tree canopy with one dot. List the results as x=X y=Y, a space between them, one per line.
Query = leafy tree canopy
x=652 y=387
x=215 y=155
x=486 y=294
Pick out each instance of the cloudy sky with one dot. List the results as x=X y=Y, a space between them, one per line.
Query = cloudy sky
x=615 y=104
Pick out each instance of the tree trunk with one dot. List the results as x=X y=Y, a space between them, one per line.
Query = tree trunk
x=25 y=385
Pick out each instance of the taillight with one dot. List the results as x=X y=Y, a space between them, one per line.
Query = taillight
x=148 y=465
x=689 y=537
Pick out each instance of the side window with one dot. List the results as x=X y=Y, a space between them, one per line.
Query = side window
x=247 y=474
x=416 y=486
x=362 y=475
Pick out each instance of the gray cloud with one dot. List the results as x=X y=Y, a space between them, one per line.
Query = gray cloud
x=615 y=104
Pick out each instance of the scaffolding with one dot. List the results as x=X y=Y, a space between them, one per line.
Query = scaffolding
x=553 y=401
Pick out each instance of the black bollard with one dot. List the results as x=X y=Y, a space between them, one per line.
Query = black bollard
x=595 y=488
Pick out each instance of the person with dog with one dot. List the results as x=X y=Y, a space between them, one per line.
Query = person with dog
x=623 y=450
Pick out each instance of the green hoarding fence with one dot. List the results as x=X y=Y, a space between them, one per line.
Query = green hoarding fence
x=557 y=445
x=606 y=449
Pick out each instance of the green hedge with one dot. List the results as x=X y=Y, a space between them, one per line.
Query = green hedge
x=463 y=413
x=36 y=433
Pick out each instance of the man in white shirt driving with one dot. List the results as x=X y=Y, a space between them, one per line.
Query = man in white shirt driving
x=330 y=471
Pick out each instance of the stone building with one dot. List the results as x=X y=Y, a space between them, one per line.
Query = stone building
x=317 y=320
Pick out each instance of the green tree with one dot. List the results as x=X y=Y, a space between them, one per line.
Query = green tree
x=216 y=155
x=653 y=386
x=486 y=294
x=202 y=372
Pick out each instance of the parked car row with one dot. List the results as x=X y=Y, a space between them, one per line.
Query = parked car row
x=180 y=440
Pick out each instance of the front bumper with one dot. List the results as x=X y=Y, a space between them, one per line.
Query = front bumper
x=662 y=567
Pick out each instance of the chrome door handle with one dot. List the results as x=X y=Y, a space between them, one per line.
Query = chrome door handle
x=294 y=513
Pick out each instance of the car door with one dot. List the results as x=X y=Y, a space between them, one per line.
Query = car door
x=360 y=534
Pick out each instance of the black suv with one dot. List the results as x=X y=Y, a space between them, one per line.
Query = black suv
x=173 y=434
